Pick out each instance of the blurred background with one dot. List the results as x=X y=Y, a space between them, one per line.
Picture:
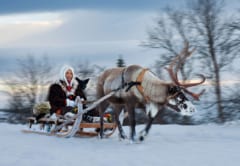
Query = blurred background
x=38 y=37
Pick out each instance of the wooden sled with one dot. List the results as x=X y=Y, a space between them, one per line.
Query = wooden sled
x=85 y=129
x=69 y=127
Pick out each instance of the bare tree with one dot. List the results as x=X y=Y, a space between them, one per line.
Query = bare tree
x=85 y=70
x=28 y=84
x=208 y=30
x=232 y=104
x=170 y=40
x=215 y=42
x=99 y=69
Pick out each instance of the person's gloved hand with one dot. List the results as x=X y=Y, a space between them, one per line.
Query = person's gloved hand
x=70 y=103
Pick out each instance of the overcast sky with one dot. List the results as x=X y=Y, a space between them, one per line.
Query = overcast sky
x=78 y=30
x=72 y=31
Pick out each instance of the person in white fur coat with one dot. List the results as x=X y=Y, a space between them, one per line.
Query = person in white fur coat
x=63 y=97
x=69 y=84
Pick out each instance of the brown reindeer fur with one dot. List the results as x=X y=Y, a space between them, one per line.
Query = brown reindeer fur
x=111 y=79
x=153 y=88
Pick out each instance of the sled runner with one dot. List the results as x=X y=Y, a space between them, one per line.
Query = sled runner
x=45 y=126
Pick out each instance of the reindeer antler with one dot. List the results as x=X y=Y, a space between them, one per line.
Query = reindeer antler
x=194 y=95
x=181 y=58
x=195 y=84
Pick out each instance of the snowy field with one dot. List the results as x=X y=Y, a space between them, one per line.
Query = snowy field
x=167 y=145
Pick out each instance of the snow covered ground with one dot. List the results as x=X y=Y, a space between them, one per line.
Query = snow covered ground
x=167 y=145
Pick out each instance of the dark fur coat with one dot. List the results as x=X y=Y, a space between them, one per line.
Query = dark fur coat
x=57 y=96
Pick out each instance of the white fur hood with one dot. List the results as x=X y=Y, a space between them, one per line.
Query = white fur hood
x=63 y=73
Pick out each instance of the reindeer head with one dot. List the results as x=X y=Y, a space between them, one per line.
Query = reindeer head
x=177 y=90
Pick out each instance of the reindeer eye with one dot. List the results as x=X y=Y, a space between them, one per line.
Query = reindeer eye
x=180 y=98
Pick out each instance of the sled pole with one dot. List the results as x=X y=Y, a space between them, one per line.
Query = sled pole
x=77 y=122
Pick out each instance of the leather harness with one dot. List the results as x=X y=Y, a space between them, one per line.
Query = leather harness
x=136 y=83
x=172 y=92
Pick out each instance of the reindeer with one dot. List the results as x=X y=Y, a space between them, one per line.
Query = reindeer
x=147 y=89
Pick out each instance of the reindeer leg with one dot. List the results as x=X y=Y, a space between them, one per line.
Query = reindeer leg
x=152 y=111
x=144 y=133
x=102 y=107
x=131 y=116
x=117 y=112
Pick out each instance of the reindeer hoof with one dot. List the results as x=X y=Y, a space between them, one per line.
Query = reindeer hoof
x=141 y=138
x=142 y=135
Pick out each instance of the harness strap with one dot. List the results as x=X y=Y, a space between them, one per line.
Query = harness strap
x=139 y=86
x=136 y=83
x=128 y=84
x=123 y=80
x=131 y=84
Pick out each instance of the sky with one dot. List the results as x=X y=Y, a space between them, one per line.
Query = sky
x=74 y=31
